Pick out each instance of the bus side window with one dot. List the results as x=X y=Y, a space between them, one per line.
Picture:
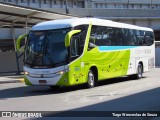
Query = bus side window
x=119 y=37
x=133 y=38
x=126 y=37
x=100 y=36
x=138 y=36
x=82 y=36
x=92 y=42
x=140 y=41
x=93 y=38
x=114 y=36
x=148 y=38
x=129 y=37
x=151 y=38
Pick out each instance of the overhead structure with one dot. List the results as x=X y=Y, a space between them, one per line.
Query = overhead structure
x=19 y=15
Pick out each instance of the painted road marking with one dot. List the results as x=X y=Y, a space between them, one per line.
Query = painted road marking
x=21 y=80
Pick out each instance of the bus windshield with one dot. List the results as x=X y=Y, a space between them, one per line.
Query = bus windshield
x=46 y=49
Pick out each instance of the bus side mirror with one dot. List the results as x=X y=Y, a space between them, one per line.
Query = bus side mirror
x=69 y=36
x=18 y=43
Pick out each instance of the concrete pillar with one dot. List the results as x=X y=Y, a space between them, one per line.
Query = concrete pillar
x=14 y=40
x=67 y=10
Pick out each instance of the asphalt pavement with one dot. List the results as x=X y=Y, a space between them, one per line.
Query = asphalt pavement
x=116 y=95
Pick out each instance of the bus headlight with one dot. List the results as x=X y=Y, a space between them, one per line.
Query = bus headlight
x=51 y=75
x=61 y=72
x=26 y=73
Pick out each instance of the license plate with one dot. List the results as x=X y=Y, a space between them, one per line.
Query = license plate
x=42 y=81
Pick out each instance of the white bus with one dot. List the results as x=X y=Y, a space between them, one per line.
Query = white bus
x=86 y=50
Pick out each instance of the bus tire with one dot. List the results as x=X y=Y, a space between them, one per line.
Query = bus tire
x=139 y=73
x=91 y=82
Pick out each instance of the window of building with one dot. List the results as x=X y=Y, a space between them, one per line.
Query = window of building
x=6 y=45
x=33 y=1
x=22 y=1
x=115 y=5
x=119 y=6
x=105 y=5
x=141 y=6
x=45 y=1
x=9 y=0
x=69 y=3
x=158 y=7
x=55 y=2
x=101 y=5
x=80 y=4
x=64 y=2
x=125 y=6
x=132 y=5
x=145 y=6
x=111 y=6
x=96 y=6
x=153 y=6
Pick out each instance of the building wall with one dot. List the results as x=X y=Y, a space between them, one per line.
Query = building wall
x=23 y=2
x=105 y=4
x=34 y=3
x=49 y=3
x=157 y=57
x=8 y=62
x=6 y=33
x=46 y=4
x=155 y=25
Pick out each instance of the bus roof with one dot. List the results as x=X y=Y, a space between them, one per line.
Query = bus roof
x=66 y=23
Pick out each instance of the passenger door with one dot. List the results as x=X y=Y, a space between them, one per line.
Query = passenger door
x=75 y=61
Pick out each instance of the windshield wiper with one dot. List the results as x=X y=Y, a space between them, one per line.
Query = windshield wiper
x=37 y=56
x=50 y=58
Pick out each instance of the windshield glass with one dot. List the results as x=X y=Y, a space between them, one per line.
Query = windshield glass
x=46 y=48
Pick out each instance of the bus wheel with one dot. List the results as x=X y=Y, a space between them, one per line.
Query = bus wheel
x=139 y=73
x=91 y=79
